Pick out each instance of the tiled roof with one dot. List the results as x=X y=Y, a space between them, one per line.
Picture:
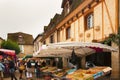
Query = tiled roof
x=59 y=17
x=39 y=35
x=21 y=38
x=1 y=38
x=52 y=23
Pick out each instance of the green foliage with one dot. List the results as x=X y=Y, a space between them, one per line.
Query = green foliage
x=113 y=38
x=11 y=46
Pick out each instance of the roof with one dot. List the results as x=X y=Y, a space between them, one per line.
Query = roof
x=64 y=2
x=21 y=38
x=59 y=17
x=53 y=22
x=39 y=35
x=1 y=38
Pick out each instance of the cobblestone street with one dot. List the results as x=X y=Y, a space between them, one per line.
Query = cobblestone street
x=17 y=75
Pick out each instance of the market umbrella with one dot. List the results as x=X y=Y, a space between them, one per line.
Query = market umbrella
x=84 y=48
x=8 y=52
x=50 y=51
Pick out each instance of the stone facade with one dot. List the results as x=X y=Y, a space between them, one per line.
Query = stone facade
x=1 y=41
x=25 y=42
x=37 y=44
x=91 y=20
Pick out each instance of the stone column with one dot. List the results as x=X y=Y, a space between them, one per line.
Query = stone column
x=115 y=62
x=65 y=62
x=83 y=61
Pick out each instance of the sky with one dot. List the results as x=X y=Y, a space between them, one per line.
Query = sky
x=27 y=16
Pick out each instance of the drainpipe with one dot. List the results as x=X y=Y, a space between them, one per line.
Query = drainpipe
x=119 y=32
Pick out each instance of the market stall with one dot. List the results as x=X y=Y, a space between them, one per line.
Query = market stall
x=5 y=53
x=27 y=56
x=65 y=49
x=90 y=74
x=8 y=52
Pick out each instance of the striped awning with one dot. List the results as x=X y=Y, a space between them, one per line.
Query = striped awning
x=8 y=52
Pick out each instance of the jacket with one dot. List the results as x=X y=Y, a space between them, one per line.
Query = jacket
x=1 y=67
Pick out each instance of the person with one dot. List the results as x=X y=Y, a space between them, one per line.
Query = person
x=21 y=68
x=29 y=69
x=37 y=70
x=43 y=64
x=12 y=69
x=2 y=67
x=38 y=73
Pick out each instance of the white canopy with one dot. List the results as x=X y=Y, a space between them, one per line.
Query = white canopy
x=64 y=49
x=71 y=45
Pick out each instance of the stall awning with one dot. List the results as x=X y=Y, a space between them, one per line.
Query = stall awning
x=8 y=52
x=96 y=46
x=27 y=56
x=64 y=49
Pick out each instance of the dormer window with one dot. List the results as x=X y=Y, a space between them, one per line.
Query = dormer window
x=66 y=5
x=67 y=8
x=20 y=39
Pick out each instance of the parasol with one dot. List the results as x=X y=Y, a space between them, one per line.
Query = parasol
x=84 y=48
x=54 y=52
x=8 y=52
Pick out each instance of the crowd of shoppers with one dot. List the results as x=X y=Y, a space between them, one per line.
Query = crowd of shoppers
x=22 y=66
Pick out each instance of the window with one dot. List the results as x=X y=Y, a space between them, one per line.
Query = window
x=44 y=42
x=21 y=48
x=51 y=39
x=67 y=8
x=68 y=33
x=20 y=39
x=58 y=36
x=89 y=21
x=37 y=45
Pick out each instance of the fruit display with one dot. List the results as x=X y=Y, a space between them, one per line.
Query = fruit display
x=89 y=74
x=79 y=76
x=49 y=69
x=43 y=68
x=59 y=74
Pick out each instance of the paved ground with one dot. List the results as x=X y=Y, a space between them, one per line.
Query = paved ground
x=17 y=75
x=24 y=78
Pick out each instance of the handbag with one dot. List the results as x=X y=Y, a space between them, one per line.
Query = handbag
x=22 y=67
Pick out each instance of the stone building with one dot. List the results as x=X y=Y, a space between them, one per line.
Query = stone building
x=37 y=44
x=87 y=21
x=25 y=42
x=1 y=39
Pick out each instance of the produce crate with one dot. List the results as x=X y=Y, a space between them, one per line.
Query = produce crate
x=98 y=74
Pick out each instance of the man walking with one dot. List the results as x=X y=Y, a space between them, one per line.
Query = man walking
x=12 y=69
